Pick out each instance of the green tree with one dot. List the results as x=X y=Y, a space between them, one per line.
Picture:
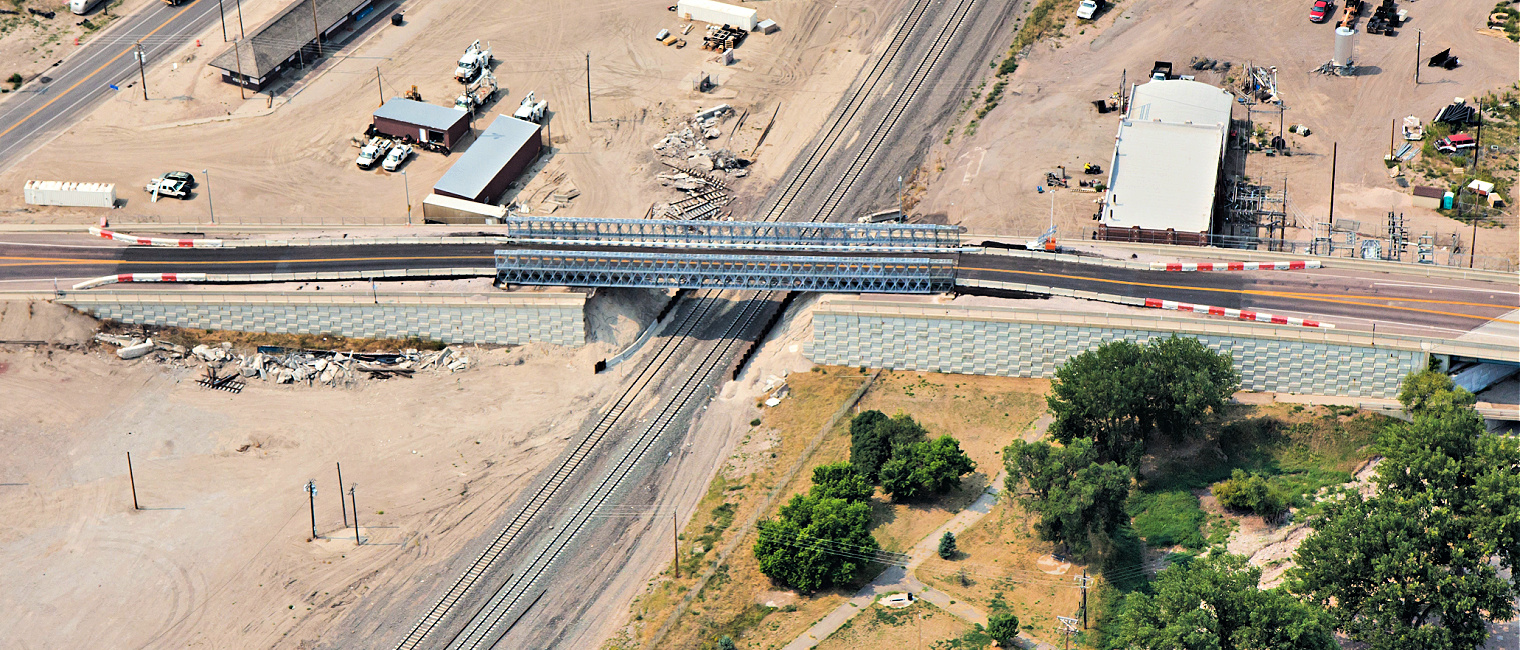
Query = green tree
x=1215 y=603
x=1251 y=492
x=815 y=542
x=840 y=481
x=874 y=436
x=947 y=545
x=726 y=643
x=1003 y=627
x=1117 y=393
x=1429 y=391
x=1409 y=567
x=923 y=469
x=1077 y=500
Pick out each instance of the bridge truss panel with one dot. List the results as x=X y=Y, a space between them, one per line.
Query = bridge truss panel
x=769 y=272
x=735 y=234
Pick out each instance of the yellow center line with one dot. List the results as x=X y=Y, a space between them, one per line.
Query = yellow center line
x=1275 y=294
x=97 y=71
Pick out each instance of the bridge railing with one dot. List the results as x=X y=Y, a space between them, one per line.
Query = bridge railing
x=702 y=271
x=734 y=234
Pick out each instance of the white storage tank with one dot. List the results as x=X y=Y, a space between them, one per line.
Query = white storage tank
x=81 y=195
x=717 y=13
x=1345 y=46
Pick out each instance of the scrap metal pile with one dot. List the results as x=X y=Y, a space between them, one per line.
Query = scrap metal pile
x=723 y=38
x=1261 y=83
x=226 y=369
x=696 y=170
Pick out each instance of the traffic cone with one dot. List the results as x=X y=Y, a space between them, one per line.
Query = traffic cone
x=76 y=40
x=197 y=42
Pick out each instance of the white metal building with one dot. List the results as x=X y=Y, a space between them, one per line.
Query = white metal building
x=717 y=13
x=1165 y=169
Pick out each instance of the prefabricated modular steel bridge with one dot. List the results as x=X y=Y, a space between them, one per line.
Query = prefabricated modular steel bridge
x=704 y=271
x=757 y=235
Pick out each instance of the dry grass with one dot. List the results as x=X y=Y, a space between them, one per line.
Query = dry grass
x=919 y=625
x=984 y=413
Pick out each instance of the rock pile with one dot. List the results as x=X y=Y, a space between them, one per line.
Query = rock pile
x=284 y=366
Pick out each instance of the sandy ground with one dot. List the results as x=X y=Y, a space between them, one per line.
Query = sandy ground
x=987 y=182
x=31 y=44
x=220 y=555
x=267 y=154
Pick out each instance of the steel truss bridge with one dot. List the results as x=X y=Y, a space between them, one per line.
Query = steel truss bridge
x=862 y=274
x=739 y=235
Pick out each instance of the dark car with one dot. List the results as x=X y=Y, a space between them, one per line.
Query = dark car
x=181 y=176
x=1320 y=12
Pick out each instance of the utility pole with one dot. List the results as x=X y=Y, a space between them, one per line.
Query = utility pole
x=1068 y=628
x=133 y=479
x=355 y=505
x=341 y=503
x=589 y=119
x=1083 y=582
x=237 y=58
x=675 y=542
x=209 y=205
x=223 y=13
x=900 y=214
x=140 y=74
x=406 y=186
x=1392 y=129
x=1334 y=151
x=380 y=86
x=314 y=29
x=1419 y=39
x=242 y=34
x=311 y=498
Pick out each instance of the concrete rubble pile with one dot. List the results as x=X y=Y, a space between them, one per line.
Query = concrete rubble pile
x=296 y=366
x=697 y=170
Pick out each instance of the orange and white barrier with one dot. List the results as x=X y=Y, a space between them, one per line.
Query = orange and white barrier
x=140 y=277
x=1241 y=314
x=155 y=241
x=1235 y=266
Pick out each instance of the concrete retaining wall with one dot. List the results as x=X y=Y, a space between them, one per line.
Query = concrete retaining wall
x=1029 y=344
x=556 y=318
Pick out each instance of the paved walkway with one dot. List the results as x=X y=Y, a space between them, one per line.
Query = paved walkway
x=900 y=578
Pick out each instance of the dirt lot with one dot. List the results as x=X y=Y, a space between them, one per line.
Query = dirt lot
x=987 y=181
x=265 y=162
x=32 y=43
x=221 y=555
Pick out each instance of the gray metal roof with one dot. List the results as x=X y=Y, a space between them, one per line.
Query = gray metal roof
x=269 y=44
x=433 y=116
x=490 y=152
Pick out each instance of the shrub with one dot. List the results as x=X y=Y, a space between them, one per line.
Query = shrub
x=1251 y=492
x=1003 y=628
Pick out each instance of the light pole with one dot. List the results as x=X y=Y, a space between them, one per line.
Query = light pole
x=405 y=186
x=311 y=497
x=209 y=205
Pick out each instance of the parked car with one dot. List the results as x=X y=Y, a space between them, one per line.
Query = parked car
x=371 y=153
x=1455 y=142
x=162 y=186
x=396 y=157
x=1087 y=9
x=1320 y=12
x=188 y=179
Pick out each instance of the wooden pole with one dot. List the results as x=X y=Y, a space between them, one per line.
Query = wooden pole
x=223 y=13
x=341 y=504
x=142 y=75
x=1392 y=129
x=675 y=543
x=355 y=505
x=314 y=29
x=242 y=34
x=1334 y=151
x=379 y=85
x=237 y=58
x=311 y=499
x=1418 y=40
x=133 y=479
x=589 y=119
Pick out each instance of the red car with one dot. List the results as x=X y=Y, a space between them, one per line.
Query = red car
x=1320 y=12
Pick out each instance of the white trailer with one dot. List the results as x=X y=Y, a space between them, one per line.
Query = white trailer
x=82 y=195
x=717 y=13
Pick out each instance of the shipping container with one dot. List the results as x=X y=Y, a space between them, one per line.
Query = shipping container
x=717 y=13
x=83 y=195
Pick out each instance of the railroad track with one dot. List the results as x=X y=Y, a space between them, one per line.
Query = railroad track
x=542 y=497
x=521 y=590
x=482 y=632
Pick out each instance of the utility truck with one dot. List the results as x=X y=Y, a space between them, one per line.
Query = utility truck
x=531 y=110
x=372 y=152
x=472 y=62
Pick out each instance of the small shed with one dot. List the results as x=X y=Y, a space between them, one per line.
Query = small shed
x=717 y=13
x=422 y=122
x=1428 y=197
x=501 y=153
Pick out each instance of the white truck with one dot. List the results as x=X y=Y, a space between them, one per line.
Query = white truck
x=372 y=152
x=177 y=188
x=477 y=94
x=396 y=157
x=1087 y=9
x=531 y=110
x=472 y=62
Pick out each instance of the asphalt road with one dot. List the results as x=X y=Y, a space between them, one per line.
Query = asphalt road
x=50 y=104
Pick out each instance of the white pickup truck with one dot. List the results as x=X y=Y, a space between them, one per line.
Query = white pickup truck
x=172 y=187
x=1087 y=9
x=396 y=157
x=371 y=153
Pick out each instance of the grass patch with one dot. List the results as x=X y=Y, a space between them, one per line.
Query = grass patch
x=1170 y=518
